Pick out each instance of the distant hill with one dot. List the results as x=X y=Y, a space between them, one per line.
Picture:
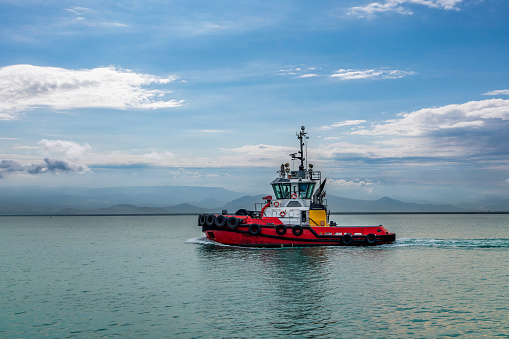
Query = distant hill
x=128 y=209
x=190 y=200
x=246 y=202
x=188 y=208
x=385 y=204
x=42 y=200
x=115 y=209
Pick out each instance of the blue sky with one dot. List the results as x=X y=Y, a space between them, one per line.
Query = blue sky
x=401 y=98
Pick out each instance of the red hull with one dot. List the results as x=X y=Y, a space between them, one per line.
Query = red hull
x=270 y=232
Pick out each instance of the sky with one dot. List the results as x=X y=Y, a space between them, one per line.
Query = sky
x=401 y=98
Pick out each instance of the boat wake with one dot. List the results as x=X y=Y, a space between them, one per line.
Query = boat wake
x=201 y=241
x=453 y=243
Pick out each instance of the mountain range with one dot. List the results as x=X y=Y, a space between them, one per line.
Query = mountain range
x=189 y=200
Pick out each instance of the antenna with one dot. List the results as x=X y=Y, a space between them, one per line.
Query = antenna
x=302 y=136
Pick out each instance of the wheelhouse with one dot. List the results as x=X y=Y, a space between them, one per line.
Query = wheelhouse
x=284 y=188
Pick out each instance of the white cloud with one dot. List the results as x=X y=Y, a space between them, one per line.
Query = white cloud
x=498 y=92
x=307 y=76
x=345 y=74
x=453 y=133
x=368 y=185
x=78 y=10
x=401 y=6
x=158 y=155
x=473 y=114
x=183 y=173
x=64 y=149
x=54 y=166
x=344 y=182
x=89 y=17
x=355 y=74
x=25 y=87
x=375 y=7
x=343 y=123
x=421 y=151
x=61 y=156
x=213 y=131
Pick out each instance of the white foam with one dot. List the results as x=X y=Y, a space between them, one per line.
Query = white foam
x=201 y=241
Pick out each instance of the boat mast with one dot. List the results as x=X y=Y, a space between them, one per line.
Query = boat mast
x=302 y=136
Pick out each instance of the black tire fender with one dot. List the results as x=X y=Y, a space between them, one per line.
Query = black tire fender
x=202 y=219
x=297 y=230
x=221 y=221
x=371 y=239
x=211 y=220
x=233 y=223
x=281 y=229
x=255 y=229
x=347 y=239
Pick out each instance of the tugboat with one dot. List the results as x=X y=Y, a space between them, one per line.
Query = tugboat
x=297 y=216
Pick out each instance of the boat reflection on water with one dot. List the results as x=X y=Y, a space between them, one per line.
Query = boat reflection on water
x=298 y=291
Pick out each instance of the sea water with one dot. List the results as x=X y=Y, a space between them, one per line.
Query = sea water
x=157 y=276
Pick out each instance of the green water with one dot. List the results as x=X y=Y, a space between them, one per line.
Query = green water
x=64 y=277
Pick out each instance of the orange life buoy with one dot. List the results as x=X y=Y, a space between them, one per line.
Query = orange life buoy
x=276 y=204
x=294 y=195
x=282 y=213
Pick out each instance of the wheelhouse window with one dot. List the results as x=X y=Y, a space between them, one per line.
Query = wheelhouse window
x=281 y=191
x=306 y=190
x=284 y=190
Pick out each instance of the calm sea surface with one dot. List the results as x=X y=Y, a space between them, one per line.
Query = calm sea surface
x=64 y=277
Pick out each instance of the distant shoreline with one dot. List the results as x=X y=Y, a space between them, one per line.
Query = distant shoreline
x=182 y=214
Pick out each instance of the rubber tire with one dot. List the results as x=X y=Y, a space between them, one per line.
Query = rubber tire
x=297 y=230
x=202 y=219
x=221 y=221
x=242 y=212
x=281 y=229
x=233 y=223
x=346 y=239
x=211 y=220
x=255 y=229
x=371 y=239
